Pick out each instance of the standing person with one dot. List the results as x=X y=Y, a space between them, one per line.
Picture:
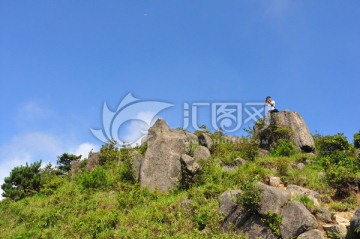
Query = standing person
x=271 y=104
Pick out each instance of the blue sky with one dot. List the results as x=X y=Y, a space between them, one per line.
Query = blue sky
x=61 y=60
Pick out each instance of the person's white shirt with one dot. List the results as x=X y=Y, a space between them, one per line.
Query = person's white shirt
x=271 y=106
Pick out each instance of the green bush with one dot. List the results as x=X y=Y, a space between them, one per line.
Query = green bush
x=327 y=145
x=273 y=221
x=249 y=198
x=109 y=152
x=357 y=140
x=96 y=179
x=23 y=181
x=64 y=162
x=284 y=148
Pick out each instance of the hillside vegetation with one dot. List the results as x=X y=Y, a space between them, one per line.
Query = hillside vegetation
x=108 y=202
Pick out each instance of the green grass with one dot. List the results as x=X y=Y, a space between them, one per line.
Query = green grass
x=107 y=203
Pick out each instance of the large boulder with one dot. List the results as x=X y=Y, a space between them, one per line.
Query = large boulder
x=206 y=141
x=161 y=167
x=272 y=199
x=300 y=191
x=255 y=228
x=354 y=229
x=268 y=133
x=301 y=137
x=312 y=234
x=296 y=219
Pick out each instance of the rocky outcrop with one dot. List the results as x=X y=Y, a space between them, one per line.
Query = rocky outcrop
x=206 y=141
x=272 y=199
x=161 y=167
x=301 y=137
x=267 y=131
x=296 y=220
x=354 y=232
x=300 y=191
x=255 y=228
x=312 y=234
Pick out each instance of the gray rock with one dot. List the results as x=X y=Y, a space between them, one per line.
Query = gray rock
x=335 y=231
x=227 y=202
x=236 y=219
x=353 y=232
x=323 y=214
x=255 y=228
x=275 y=181
x=201 y=153
x=300 y=191
x=301 y=137
x=272 y=199
x=230 y=168
x=161 y=168
x=263 y=153
x=93 y=161
x=296 y=219
x=341 y=220
x=312 y=234
x=300 y=166
x=136 y=160
x=190 y=163
x=240 y=161
x=206 y=141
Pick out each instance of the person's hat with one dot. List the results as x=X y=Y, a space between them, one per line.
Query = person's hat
x=268 y=97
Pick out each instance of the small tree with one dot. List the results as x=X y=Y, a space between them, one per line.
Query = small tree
x=357 y=140
x=23 y=181
x=64 y=162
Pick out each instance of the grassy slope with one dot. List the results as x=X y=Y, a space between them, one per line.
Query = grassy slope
x=117 y=208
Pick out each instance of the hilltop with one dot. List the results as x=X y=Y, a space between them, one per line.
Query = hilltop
x=279 y=182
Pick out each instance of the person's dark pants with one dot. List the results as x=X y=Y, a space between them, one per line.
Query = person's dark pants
x=274 y=111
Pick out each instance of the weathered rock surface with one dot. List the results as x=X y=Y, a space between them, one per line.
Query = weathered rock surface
x=324 y=215
x=353 y=232
x=234 y=215
x=335 y=231
x=302 y=137
x=201 y=153
x=312 y=234
x=93 y=161
x=275 y=181
x=206 y=141
x=300 y=191
x=190 y=163
x=161 y=168
x=136 y=160
x=296 y=219
x=255 y=228
x=227 y=202
x=272 y=199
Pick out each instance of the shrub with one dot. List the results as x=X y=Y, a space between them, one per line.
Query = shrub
x=108 y=152
x=284 y=148
x=23 y=181
x=273 y=221
x=327 y=145
x=249 y=198
x=64 y=162
x=357 y=140
x=96 y=179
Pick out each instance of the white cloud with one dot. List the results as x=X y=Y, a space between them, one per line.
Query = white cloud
x=137 y=129
x=84 y=149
